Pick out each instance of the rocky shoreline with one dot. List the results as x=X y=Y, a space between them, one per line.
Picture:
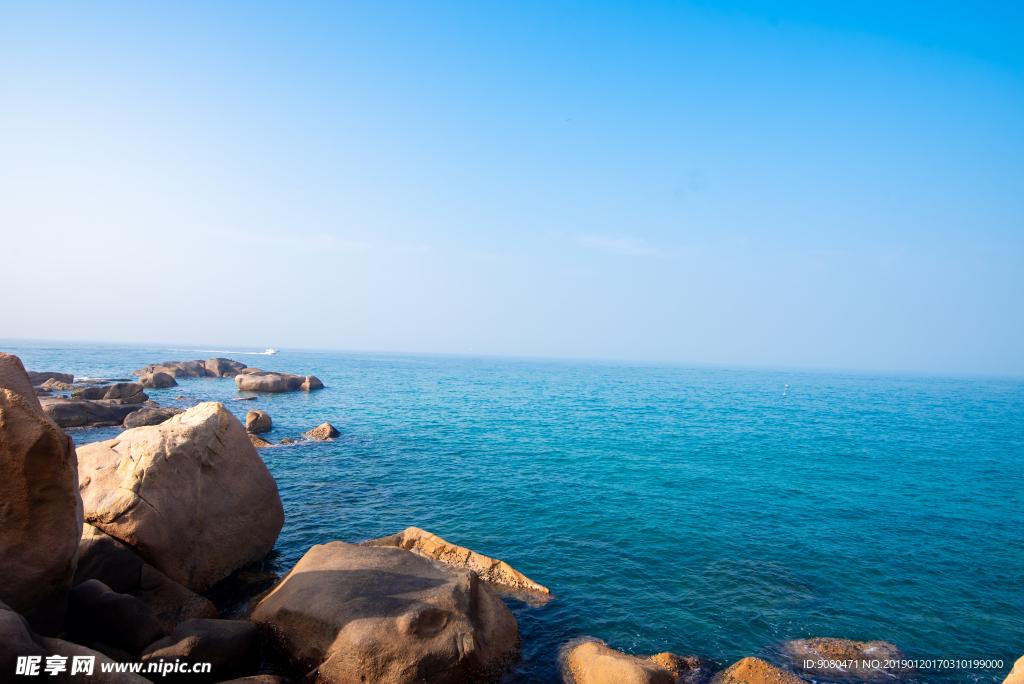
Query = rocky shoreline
x=113 y=550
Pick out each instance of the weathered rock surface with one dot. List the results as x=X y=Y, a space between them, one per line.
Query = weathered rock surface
x=430 y=545
x=858 y=655
x=287 y=440
x=80 y=412
x=40 y=509
x=1016 y=675
x=40 y=378
x=755 y=671
x=92 y=393
x=112 y=562
x=323 y=433
x=126 y=393
x=276 y=382
x=589 y=661
x=176 y=369
x=686 y=669
x=158 y=380
x=223 y=368
x=95 y=613
x=54 y=385
x=258 y=441
x=150 y=416
x=376 y=614
x=258 y=422
x=232 y=647
x=191 y=495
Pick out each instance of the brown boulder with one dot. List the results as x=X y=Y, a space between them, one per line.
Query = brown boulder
x=324 y=433
x=150 y=416
x=79 y=412
x=177 y=369
x=859 y=658
x=429 y=545
x=258 y=441
x=232 y=647
x=95 y=613
x=258 y=422
x=157 y=380
x=369 y=614
x=269 y=382
x=126 y=393
x=191 y=495
x=685 y=669
x=311 y=383
x=40 y=509
x=223 y=368
x=40 y=378
x=54 y=385
x=755 y=671
x=92 y=393
x=589 y=661
x=1016 y=675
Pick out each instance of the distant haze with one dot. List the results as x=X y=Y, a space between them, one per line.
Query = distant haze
x=747 y=183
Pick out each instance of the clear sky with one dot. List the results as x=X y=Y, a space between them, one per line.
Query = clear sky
x=756 y=183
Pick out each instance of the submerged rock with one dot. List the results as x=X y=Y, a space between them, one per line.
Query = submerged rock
x=40 y=509
x=258 y=422
x=430 y=545
x=191 y=495
x=150 y=416
x=324 y=433
x=755 y=671
x=157 y=380
x=589 y=661
x=349 y=613
x=860 y=659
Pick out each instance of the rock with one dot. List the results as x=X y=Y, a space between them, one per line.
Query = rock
x=591 y=662
x=70 y=650
x=755 y=671
x=150 y=416
x=112 y=652
x=1016 y=675
x=311 y=383
x=54 y=385
x=79 y=412
x=223 y=368
x=287 y=440
x=245 y=399
x=371 y=614
x=157 y=380
x=324 y=433
x=858 y=654
x=108 y=560
x=40 y=509
x=232 y=647
x=16 y=639
x=39 y=378
x=95 y=613
x=191 y=495
x=430 y=545
x=686 y=669
x=42 y=393
x=258 y=441
x=269 y=382
x=177 y=369
x=251 y=371
x=126 y=393
x=92 y=393
x=257 y=422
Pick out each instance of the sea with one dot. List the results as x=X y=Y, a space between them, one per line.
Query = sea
x=705 y=511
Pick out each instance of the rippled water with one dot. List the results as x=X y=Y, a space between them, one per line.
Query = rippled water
x=702 y=511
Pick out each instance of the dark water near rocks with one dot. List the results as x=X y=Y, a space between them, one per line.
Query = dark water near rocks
x=701 y=511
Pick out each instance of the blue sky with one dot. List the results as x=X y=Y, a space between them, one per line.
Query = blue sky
x=759 y=183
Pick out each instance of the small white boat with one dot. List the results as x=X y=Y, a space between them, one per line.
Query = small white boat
x=270 y=351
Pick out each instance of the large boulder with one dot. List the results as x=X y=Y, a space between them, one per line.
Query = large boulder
x=40 y=509
x=126 y=393
x=70 y=651
x=39 y=378
x=589 y=661
x=232 y=647
x=223 y=368
x=103 y=558
x=92 y=392
x=191 y=495
x=157 y=380
x=1016 y=675
x=325 y=432
x=80 y=412
x=844 y=658
x=755 y=671
x=95 y=613
x=430 y=545
x=370 y=614
x=258 y=422
x=276 y=382
x=54 y=385
x=150 y=416
x=176 y=369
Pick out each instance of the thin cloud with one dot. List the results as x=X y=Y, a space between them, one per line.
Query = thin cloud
x=630 y=246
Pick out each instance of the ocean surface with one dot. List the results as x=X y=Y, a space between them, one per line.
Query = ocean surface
x=702 y=511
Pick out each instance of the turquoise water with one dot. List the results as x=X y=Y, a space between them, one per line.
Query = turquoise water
x=702 y=511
